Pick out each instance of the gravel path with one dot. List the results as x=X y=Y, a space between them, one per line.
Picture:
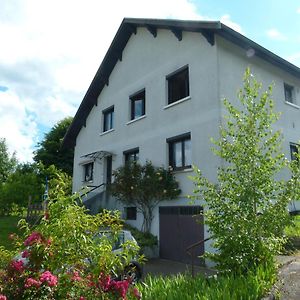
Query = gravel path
x=289 y=280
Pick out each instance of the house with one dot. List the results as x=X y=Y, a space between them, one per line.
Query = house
x=157 y=96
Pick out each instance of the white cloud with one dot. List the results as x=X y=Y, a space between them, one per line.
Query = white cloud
x=17 y=126
x=274 y=34
x=50 y=51
x=225 y=19
x=298 y=10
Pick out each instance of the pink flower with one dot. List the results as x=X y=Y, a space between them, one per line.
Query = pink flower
x=136 y=293
x=76 y=276
x=2 y=297
x=18 y=265
x=104 y=282
x=35 y=237
x=25 y=254
x=81 y=298
x=121 y=287
x=49 y=278
x=32 y=282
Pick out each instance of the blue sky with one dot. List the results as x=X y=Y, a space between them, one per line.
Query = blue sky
x=51 y=49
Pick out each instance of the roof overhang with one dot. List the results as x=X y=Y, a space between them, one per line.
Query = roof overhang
x=129 y=26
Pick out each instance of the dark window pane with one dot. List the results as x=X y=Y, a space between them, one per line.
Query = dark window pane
x=294 y=151
x=178 y=86
x=130 y=213
x=88 y=171
x=187 y=153
x=108 y=119
x=289 y=93
x=131 y=155
x=137 y=105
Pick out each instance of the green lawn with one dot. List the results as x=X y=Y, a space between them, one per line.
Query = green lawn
x=294 y=229
x=8 y=225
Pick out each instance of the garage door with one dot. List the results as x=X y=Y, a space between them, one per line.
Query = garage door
x=180 y=227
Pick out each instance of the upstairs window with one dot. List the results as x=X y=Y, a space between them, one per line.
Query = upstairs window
x=289 y=93
x=131 y=155
x=88 y=170
x=108 y=119
x=180 y=152
x=293 y=150
x=137 y=105
x=178 y=85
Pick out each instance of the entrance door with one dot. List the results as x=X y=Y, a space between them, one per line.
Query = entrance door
x=179 y=228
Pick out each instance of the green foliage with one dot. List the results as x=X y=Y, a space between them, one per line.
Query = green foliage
x=144 y=186
x=23 y=183
x=254 y=286
x=8 y=231
x=65 y=260
x=293 y=229
x=246 y=210
x=7 y=163
x=49 y=151
x=144 y=239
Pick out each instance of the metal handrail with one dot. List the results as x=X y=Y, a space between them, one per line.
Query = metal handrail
x=192 y=254
x=93 y=187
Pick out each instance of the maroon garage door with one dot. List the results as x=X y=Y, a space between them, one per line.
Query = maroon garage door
x=180 y=227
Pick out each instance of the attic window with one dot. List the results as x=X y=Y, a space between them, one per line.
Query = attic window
x=289 y=93
x=178 y=85
x=108 y=119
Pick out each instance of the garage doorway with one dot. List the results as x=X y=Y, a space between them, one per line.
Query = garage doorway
x=180 y=227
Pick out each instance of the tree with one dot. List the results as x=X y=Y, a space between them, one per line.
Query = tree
x=7 y=163
x=23 y=183
x=246 y=210
x=144 y=186
x=49 y=151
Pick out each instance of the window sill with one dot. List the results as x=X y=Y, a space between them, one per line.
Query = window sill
x=177 y=102
x=292 y=104
x=106 y=132
x=183 y=170
x=135 y=120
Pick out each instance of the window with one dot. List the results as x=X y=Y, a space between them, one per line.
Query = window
x=178 y=85
x=108 y=119
x=289 y=93
x=131 y=155
x=180 y=151
x=130 y=213
x=294 y=150
x=137 y=104
x=88 y=170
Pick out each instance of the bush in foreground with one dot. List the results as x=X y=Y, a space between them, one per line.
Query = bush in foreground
x=60 y=259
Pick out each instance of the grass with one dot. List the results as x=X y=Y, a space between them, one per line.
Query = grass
x=293 y=230
x=8 y=224
x=253 y=285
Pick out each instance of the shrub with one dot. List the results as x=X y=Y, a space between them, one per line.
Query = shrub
x=61 y=259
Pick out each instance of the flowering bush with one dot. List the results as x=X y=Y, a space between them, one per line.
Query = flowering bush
x=60 y=259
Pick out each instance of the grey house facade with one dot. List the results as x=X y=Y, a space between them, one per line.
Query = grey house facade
x=158 y=96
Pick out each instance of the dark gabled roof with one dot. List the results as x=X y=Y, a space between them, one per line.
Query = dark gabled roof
x=129 y=26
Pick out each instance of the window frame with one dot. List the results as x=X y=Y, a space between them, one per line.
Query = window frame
x=133 y=99
x=172 y=157
x=131 y=152
x=85 y=169
x=130 y=213
x=172 y=80
x=108 y=113
x=293 y=149
x=289 y=89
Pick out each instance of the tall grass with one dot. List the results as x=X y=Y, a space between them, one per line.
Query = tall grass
x=8 y=224
x=254 y=285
